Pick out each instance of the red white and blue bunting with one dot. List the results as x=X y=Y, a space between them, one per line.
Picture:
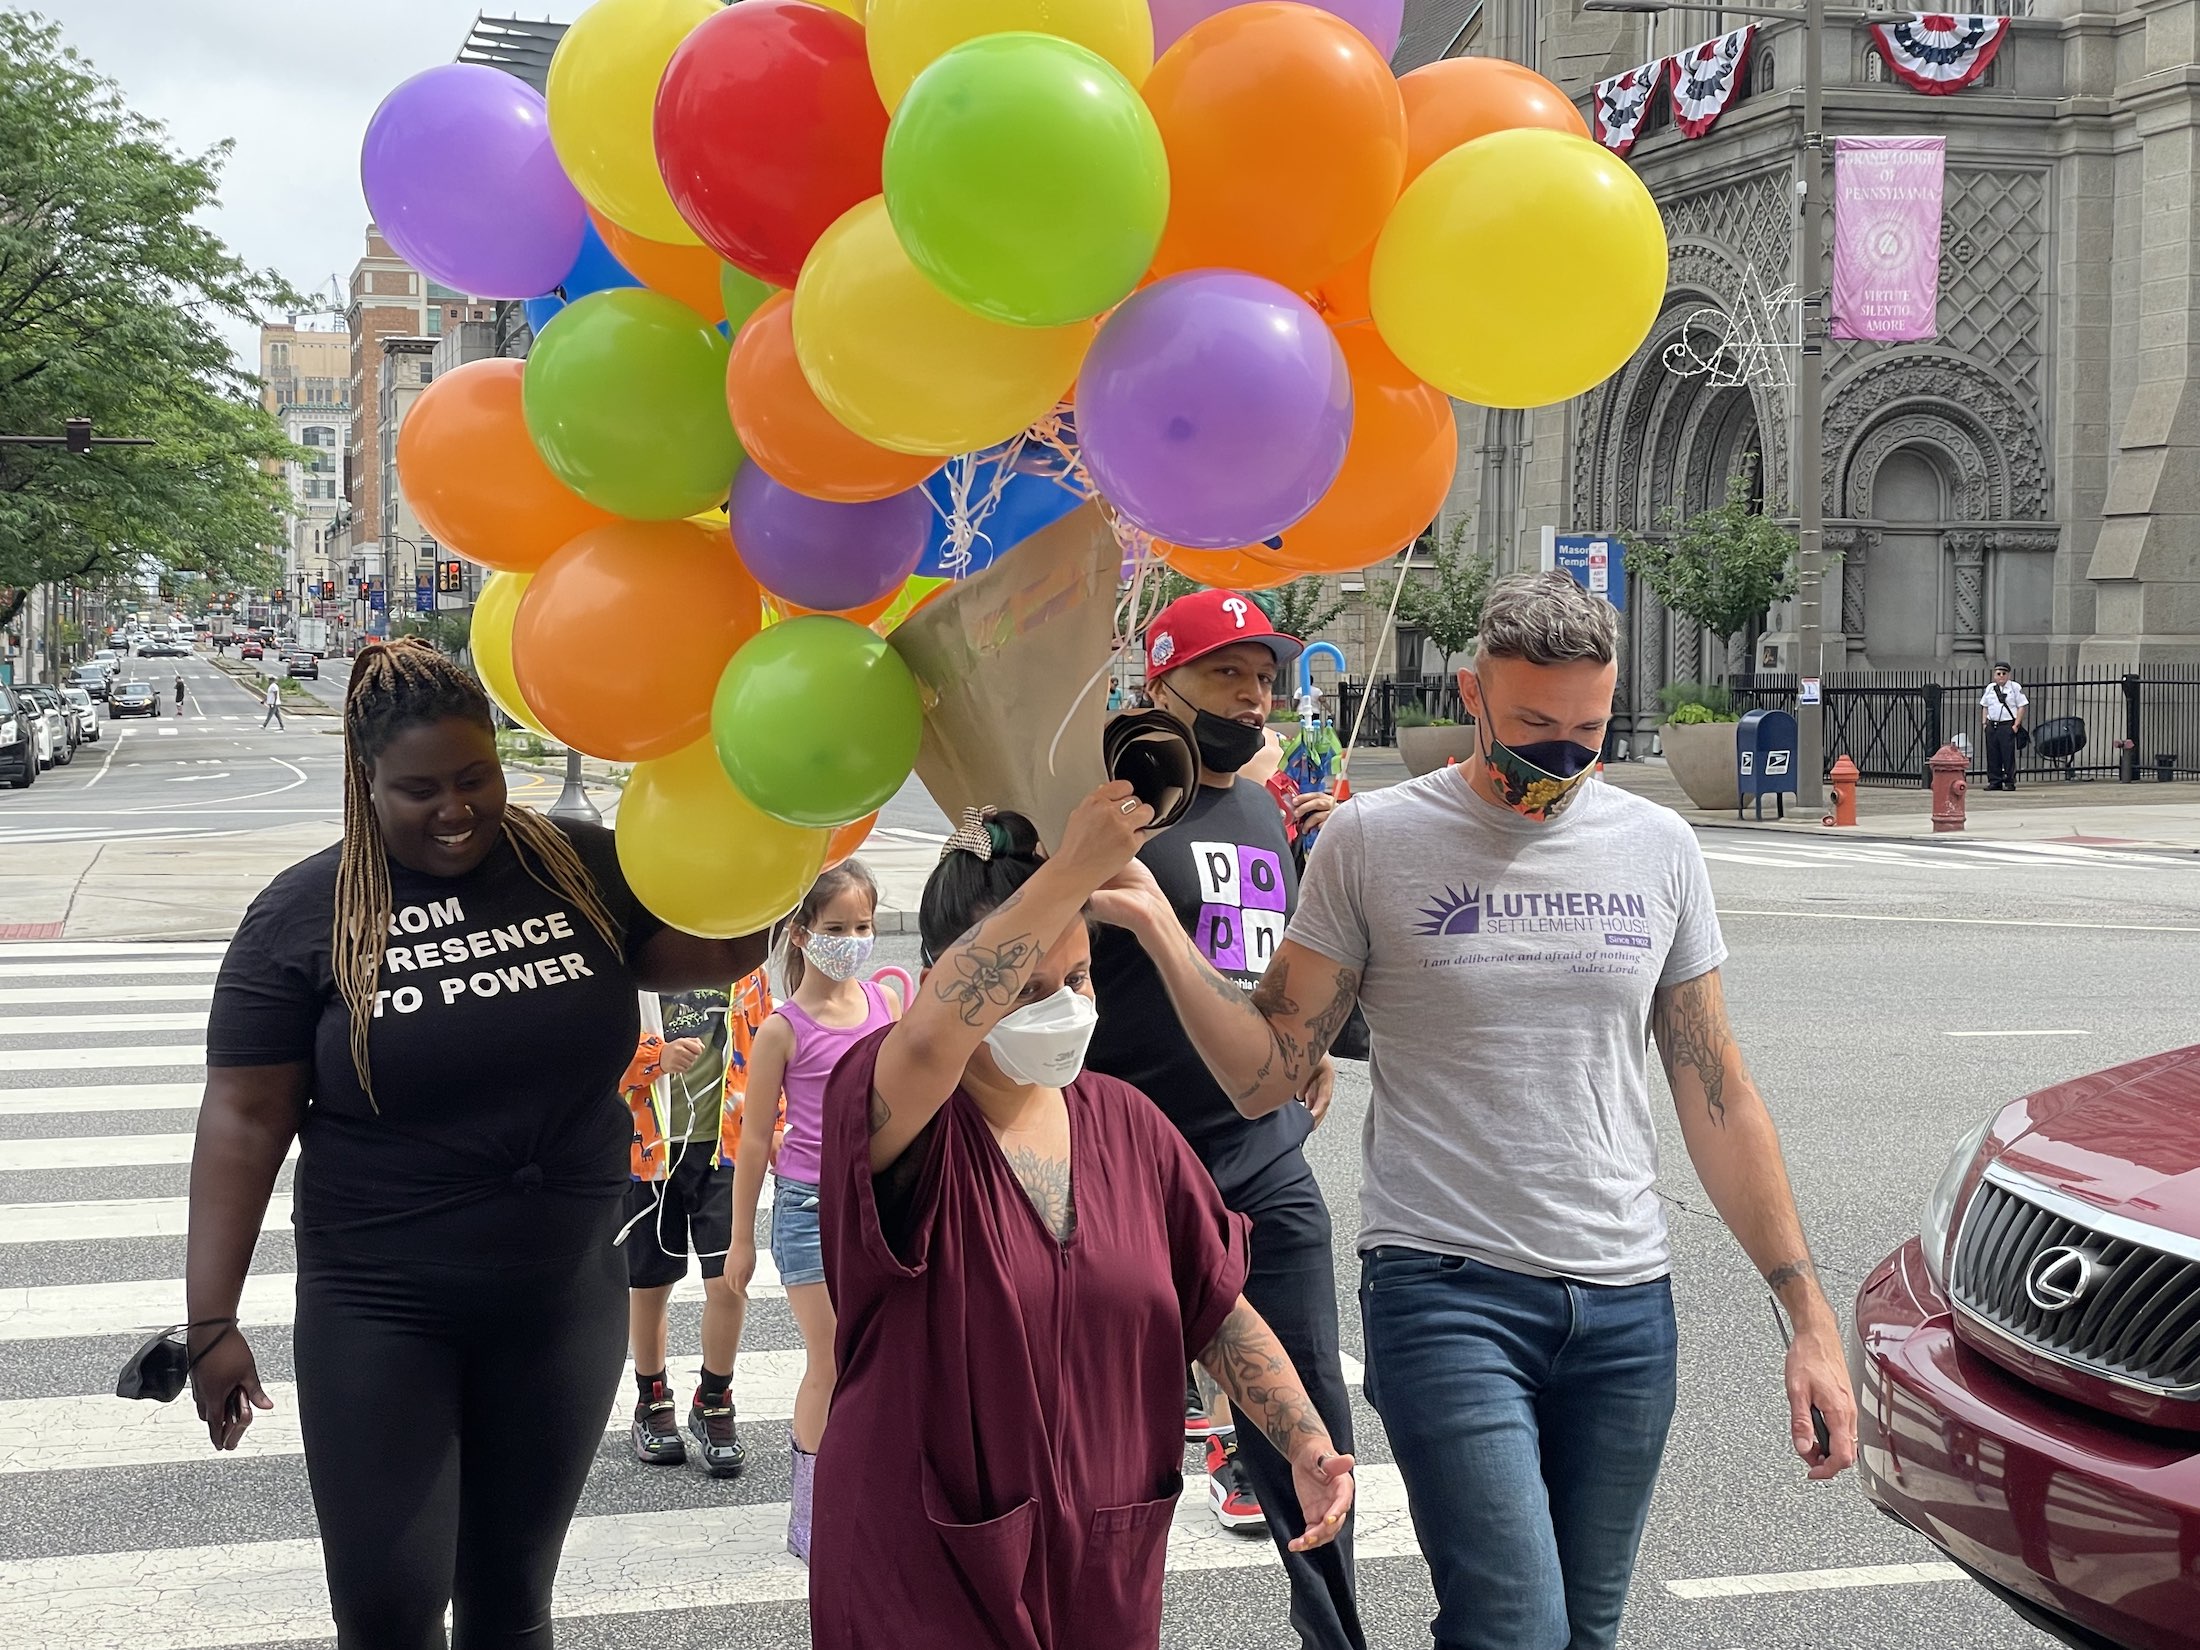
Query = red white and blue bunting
x=1619 y=104
x=1706 y=79
x=1936 y=53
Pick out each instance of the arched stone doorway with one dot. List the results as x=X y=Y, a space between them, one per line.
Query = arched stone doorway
x=1907 y=597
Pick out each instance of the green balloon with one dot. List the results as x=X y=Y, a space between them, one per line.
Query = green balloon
x=1025 y=177
x=625 y=398
x=744 y=295
x=817 y=721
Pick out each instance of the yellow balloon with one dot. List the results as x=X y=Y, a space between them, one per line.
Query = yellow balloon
x=1520 y=269
x=704 y=858
x=846 y=8
x=905 y=366
x=905 y=36
x=490 y=642
x=603 y=97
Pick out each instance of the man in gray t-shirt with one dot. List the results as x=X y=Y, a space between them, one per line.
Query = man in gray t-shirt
x=1517 y=932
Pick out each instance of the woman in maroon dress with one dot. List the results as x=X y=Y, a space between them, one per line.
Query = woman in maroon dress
x=1023 y=1256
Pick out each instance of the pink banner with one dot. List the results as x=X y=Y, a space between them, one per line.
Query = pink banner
x=1886 y=238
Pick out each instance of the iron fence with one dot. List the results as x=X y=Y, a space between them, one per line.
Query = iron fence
x=2131 y=727
x=1434 y=696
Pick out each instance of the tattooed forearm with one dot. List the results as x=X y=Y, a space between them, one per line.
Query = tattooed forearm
x=1793 y=1271
x=1045 y=1181
x=1249 y=1364
x=1689 y=1022
x=975 y=978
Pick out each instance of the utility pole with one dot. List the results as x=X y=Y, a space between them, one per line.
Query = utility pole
x=1808 y=465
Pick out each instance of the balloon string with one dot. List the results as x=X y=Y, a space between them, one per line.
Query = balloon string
x=1367 y=693
x=1117 y=640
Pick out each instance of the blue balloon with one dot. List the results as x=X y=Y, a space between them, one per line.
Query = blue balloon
x=1027 y=505
x=594 y=270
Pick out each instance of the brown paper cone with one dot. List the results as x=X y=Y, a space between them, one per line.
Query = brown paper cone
x=1000 y=659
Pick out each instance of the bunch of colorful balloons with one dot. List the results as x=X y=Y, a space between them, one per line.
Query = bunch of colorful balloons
x=807 y=284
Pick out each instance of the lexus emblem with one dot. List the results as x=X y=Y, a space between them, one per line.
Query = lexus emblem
x=2059 y=1277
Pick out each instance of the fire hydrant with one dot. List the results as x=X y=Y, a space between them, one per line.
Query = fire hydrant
x=1841 y=784
x=1949 y=786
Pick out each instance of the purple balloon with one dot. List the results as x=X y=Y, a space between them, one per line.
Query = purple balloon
x=1379 y=20
x=824 y=556
x=460 y=176
x=1214 y=409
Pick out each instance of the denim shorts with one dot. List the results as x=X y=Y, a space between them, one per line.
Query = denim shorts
x=796 y=1249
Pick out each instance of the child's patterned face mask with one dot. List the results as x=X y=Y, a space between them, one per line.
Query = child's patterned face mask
x=838 y=956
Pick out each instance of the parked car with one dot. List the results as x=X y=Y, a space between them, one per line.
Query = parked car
x=300 y=663
x=79 y=701
x=109 y=659
x=56 y=728
x=251 y=649
x=2028 y=1366
x=133 y=699
x=93 y=679
x=18 y=741
x=58 y=702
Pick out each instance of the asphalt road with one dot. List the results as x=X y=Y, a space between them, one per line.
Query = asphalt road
x=1888 y=996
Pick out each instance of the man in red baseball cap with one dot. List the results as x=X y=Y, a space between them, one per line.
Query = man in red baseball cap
x=1225 y=877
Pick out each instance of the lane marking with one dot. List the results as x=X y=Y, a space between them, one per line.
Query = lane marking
x=1814 y=1581
x=100 y=1097
x=197 y=991
x=96 y=1059
x=114 y=948
x=113 y=751
x=298 y=777
x=725 y=1556
x=102 y=970
x=62 y=1025
x=2029 y=1031
x=1760 y=859
x=194 y=778
x=1971 y=922
x=114 y=1219
x=96 y=1151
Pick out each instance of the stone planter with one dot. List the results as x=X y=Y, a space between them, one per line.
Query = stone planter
x=1701 y=756
x=1427 y=749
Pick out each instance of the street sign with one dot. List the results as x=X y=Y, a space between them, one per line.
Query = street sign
x=1595 y=561
x=378 y=599
x=423 y=599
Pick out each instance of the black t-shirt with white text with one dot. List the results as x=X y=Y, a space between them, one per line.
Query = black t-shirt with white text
x=501 y=1028
x=1227 y=870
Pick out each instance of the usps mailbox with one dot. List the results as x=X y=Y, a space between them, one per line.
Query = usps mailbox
x=1766 y=759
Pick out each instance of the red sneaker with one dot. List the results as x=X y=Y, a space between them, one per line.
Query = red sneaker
x=1234 y=1505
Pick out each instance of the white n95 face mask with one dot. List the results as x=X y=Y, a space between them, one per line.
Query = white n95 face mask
x=1045 y=1042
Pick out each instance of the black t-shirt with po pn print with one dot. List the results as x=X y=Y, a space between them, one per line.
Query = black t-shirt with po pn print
x=500 y=1031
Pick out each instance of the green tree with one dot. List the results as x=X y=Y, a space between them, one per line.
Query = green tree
x=110 y=295
x=1300 y=608
x=1721 y=567
x=1446 y=608
x=450 y=633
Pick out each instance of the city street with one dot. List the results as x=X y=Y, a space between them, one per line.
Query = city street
x=1888 y=995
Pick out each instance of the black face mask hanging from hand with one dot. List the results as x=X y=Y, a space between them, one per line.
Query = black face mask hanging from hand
x=1224 y=745
x=161 y=1368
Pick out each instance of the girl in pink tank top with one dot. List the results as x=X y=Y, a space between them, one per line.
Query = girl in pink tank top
x=827 y=1008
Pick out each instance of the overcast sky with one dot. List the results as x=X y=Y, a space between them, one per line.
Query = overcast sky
x=291 y=83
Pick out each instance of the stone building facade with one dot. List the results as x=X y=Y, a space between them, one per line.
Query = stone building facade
x=2027 y=486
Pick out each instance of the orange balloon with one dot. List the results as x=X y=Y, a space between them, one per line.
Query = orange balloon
x=1396 y=472
x=1226 y=569
x=786 y=430
x=622 y=636
x=848 y=839
x=688 y=273
x=1342 y=299
x=1463 y=98
x=472 y=475
x=1286 y=141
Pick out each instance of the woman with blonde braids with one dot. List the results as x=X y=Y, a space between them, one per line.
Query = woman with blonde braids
x=438 y=1009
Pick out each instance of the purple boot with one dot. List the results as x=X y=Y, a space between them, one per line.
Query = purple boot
x=798 y=1506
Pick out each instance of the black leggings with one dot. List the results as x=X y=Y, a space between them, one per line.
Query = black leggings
x=450 y=1416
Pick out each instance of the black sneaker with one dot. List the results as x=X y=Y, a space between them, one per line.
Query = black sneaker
x=656 y=1433
x=712 y=1430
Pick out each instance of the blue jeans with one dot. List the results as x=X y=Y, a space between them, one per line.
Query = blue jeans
x=1527 y=1416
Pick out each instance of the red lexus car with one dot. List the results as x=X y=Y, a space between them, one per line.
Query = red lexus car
x=2028 y=1366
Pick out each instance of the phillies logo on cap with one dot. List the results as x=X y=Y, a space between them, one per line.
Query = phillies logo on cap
x=1162 y=649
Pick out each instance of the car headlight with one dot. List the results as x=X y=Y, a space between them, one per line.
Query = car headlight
x=1940 y=1207
x=9 y=733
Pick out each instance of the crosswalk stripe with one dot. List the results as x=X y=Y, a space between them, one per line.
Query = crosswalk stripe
x=725 y=1555
x=97 y=1151
x=207 y=966
x=42 y=996
x=63 y=1311
x=96 y=1059
x=106 y=1219
x=71 y=950
x=62 y=1025
x=99 y=1097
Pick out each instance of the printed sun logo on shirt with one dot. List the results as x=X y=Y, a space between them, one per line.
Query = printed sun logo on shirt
x=1242 y=901
x=1586 y=931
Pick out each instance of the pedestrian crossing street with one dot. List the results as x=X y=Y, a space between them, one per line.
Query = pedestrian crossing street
x=120 y=1527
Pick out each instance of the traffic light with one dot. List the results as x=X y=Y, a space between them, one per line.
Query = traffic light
x=328 y=590
x=450 y=578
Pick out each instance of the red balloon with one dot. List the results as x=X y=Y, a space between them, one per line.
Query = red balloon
x=769 y=127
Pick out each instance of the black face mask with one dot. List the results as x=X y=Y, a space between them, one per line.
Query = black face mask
x=161 y=1368
x=1224 y=745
